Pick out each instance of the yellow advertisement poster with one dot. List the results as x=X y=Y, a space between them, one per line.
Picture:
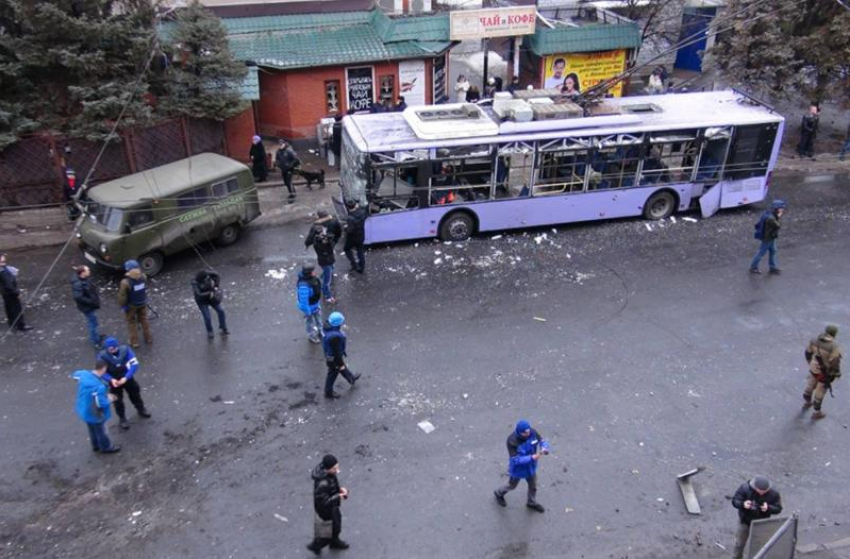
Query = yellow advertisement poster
x=579 y=71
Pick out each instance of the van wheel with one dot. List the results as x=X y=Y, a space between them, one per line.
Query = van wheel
x=659 y=206
x=151 y=263
x=457 y=226
x=228 y=235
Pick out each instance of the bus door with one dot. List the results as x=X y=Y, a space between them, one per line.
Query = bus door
x=714 y=146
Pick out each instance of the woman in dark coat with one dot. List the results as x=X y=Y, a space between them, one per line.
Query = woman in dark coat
x=258 y=160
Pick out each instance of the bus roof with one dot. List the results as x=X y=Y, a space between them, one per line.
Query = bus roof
x=390 y=131
x=165 y=181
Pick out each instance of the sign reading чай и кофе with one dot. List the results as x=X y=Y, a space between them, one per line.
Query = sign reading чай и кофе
x=495 y=22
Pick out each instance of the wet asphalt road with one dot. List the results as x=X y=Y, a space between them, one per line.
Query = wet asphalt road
x=658 y=353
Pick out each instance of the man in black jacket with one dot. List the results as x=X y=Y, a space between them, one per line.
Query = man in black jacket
x=336 y=139
x=12 y=296
x=287 y=160
x=323 y=242
x=769 y=234
x=355 y=236
x=88 y=301
x=755 y=499
x=808 y=131
x=327 y=497
x=207 y=289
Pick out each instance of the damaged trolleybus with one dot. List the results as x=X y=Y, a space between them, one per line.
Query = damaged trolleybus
x=454 y=170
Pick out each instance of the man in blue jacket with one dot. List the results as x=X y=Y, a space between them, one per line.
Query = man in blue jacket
x=93 y=402
x=121 y=365
x=309 y=290
x=525 y=447
x=333 y=343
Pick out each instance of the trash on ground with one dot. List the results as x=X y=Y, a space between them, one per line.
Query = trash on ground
x=692 y=220
x=426 y=426
x=538 y=319
x=688 y=493
x=281 y=518
x=648 y=226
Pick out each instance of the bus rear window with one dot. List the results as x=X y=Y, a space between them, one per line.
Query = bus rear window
x=750 y=152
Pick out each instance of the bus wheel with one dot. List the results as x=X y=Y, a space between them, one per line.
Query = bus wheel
x=228 y=235
x=660 y=205
x=151 y=263
x=456 y=227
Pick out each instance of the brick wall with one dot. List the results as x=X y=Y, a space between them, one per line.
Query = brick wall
x=292 y=101
x=238 y=132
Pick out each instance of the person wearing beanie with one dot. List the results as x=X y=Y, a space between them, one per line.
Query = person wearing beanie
x=133 y=300
x=355 y=236
x=824 y=358
x=257 y=154
x=755 y=499
x=525 y=447
x=309 y=292
x=767 y=231
x=93 y=403
x=287 y=160
x=87 y=299
x=121 y=367
x=334 y=343
x=327 y=498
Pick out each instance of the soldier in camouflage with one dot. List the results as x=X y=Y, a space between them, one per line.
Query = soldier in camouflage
x=824 y=358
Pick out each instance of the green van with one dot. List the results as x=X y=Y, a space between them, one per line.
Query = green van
x=150 y=215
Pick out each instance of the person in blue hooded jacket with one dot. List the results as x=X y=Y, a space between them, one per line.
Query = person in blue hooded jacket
x=93 y=401
x=334 y=345
x=525 y=447
x=121 y=365
x=309 y=290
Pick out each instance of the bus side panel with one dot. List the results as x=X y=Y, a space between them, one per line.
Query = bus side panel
x=406 y=225
x=740 y=192
x=589 y=206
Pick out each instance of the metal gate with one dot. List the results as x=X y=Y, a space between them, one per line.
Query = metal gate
x=773 y=538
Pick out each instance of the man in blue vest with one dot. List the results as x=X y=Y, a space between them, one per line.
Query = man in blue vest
x=121 y=366
x=133 y=300
x=333 y=342
x=92 y=406
x=525 y=447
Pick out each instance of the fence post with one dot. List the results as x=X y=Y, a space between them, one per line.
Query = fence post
x=184 y=131
x=130 y=151
x=57 y=165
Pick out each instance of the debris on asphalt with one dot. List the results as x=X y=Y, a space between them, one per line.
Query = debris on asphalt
x=687 y=488
x=720 y=545
x=277 y=274
x=281 y=518
x=648 y=226
x=692 y=220
x=538 y=319
x=426 y=426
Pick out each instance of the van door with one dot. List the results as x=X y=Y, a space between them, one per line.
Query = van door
x=143 y=235
x=229 y=202
x=196 y=217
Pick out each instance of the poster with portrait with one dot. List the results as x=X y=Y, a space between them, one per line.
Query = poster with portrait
x=411 y=75
x=582 y=70
x=360 y=88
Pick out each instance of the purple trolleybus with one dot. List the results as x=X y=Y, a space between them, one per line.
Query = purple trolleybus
x=450 y=171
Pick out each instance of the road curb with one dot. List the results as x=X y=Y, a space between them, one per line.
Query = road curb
x=815 y=547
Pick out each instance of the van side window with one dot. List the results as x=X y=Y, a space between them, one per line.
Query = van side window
x=141 y=216
x=193 y=198
x=222 y=189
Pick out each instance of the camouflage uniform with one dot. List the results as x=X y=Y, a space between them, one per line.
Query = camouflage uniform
x=824 y=358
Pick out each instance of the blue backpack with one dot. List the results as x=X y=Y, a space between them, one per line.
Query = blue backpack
x=759 y=226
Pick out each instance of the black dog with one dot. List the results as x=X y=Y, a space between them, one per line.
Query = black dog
x=311 y=177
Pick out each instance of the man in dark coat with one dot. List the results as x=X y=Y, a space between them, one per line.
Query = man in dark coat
x=12 y=296
x=808 y=131
x=258 y=159
x=768 y=236
x=287 y=160
x=323 y=236
x=355 y=236
x=755 y=499
x=327 y=498
x=88 y=301
x=207 y=290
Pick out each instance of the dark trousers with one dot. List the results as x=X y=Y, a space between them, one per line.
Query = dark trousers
x=807 y=144
x=99 y=439
x=356 y=248
x=514 y=481
x=134 y=392
x=12 y=304
x=205 y=312
x=336 y=522
x=287 y=180
x=333 y=372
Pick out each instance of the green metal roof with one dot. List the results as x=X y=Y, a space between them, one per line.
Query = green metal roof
x=302 y=41
x=250 y=88
x=588 y=38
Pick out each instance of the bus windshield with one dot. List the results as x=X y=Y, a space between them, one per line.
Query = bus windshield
x=352 y=170
x=108 y=217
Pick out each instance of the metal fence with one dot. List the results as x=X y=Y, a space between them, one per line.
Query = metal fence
x=773 y=538
x=31 y=170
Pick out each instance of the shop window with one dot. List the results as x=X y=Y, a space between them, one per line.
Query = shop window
x=332 y=96
x=387 y=88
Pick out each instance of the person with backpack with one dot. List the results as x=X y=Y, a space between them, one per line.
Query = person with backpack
x=767 y=231
x=323 y=237
x=355 y=236
x=334 y=345
x=309 y=292
x=88 y=301
x=824 y=358
x=207 y=290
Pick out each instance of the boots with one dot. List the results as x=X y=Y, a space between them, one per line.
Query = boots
x=818 y=415
x=339 y=544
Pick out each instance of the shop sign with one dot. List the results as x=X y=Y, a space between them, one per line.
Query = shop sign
x=579 y=71
x=493 y=22
x=411 y=75
x=360 y=88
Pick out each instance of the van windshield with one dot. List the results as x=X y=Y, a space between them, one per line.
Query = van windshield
x=108 y=217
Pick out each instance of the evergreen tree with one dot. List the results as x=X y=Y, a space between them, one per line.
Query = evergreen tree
x=70 y=66
x=786 y=48
x=204 y=79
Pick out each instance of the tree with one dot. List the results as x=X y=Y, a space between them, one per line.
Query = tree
x=71 y=66
x=786 y=48
x=204 y=80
